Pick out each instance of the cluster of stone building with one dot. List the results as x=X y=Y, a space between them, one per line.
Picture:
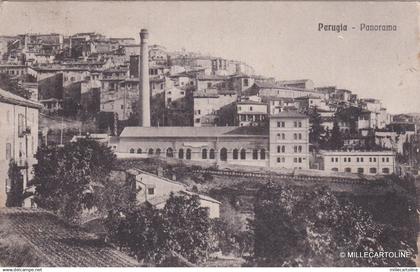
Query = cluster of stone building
x=267 y=124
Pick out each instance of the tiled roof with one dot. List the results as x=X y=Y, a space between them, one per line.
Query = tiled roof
x=10 y=98
x=58 y=244
x=183 y=132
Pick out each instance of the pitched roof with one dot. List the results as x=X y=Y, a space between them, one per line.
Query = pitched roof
x=10 y=98
x=59 y=244
x=153 y=132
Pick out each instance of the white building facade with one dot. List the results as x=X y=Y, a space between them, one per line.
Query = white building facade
x=18 y=138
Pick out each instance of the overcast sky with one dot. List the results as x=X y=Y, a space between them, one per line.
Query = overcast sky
x=278 y=39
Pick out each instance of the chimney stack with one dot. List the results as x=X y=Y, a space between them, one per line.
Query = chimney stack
x=144 y=107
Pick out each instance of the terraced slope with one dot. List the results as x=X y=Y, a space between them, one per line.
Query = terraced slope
x=56 y=243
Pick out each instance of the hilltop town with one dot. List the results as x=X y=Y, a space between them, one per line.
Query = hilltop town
x=185 y=124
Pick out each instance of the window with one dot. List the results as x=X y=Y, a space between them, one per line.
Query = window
x=300 y=149
x=197 y=120
x=8 y=151
x=250 y=108
x=139 y=151
x=295 y=149
x=383 y=159
x=21 y=124
x=245 y=82
x=208 y=84
x=150 y=191
x=370 y=159
x=278 y=159
x=283 y=149
x=361 y=159
x=357 y=159
x=335 y=169
x=345 y=159
x=295 y=160
x=235 y=154
x=280 y=124
x=211 y=155
x=385 y=170
x=158 y=151
x=132 y=150
x=360 y=170
x=169 y=153
x=181 y=153
x=347 y=169
x=295 y=136
x=295 y=124
x=372 y=170
x=299 y=124
x=349 y=159
x=300 y=136
x=243 y=154
x=188 y=154
x=255 y=154
x=300 y=160
x=387 y=159
x=151 y=151
x=283 y=136
x=336 y=159
x=204 y=154
x=332 y=159
x=223 y=154
x=374 y=159
x=262 y=154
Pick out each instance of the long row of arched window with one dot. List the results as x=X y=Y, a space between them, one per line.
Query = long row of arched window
x=205 y=153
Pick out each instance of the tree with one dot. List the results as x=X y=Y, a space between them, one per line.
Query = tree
x=65 y=176
x=300 y=227
x=316 y=129
x=182 y=228
x=336 y=140
x=189 y=227
x=15 y=195
x=10 y=85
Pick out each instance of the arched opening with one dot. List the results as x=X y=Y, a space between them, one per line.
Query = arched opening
x=139 y=151
x=204 y=154
x=151 y=151
x=223 y=154
x=235 y=154
x=372 y=170
x=243 y=154
x=211 y=155
x=262 y=155
x=188 y=154
x=132 y=150
x=158 y=151
x=255 y=154
x=169 y=153
x=181 y=154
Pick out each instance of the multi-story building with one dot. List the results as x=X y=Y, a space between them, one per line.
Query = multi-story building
x=18 y=139
x=207 y=104
x=251 y=113
x=361 y=162
x=289 y=140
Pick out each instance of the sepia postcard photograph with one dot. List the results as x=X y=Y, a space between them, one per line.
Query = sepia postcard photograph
x=209 y=135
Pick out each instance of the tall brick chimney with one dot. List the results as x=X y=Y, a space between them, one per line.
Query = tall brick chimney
x=144 y=103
